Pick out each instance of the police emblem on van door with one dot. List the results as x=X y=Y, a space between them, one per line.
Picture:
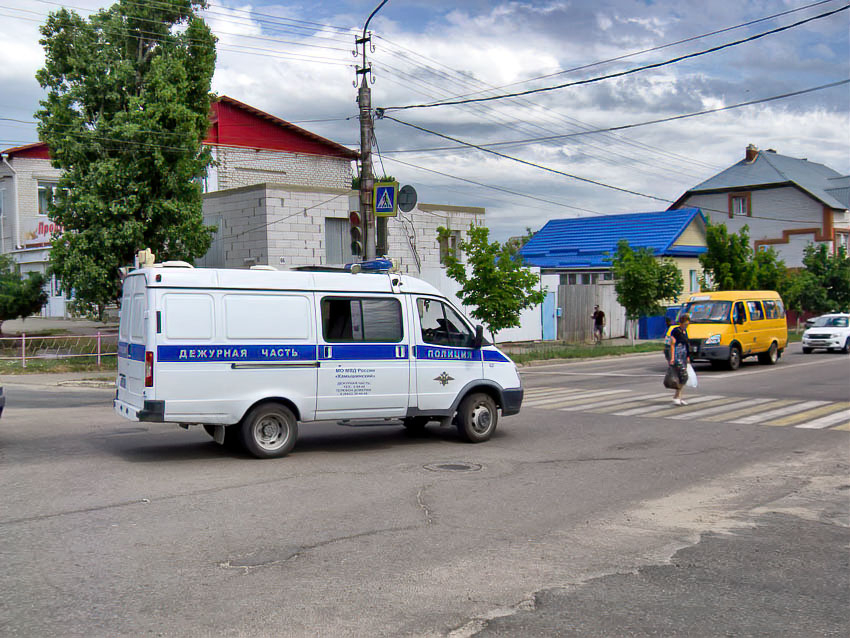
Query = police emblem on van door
x=444 y=378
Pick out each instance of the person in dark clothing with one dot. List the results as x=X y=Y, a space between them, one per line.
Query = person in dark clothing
x=598 y=324
x=680 y=355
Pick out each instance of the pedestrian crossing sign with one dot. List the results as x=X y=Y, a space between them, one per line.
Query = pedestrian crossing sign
x=385 y=197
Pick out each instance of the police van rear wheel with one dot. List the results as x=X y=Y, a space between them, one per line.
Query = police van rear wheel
x=269 y=431
x=477 y=417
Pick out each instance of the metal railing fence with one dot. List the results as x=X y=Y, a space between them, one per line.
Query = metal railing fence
x=25 y=348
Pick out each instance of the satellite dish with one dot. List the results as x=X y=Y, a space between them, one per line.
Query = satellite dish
x=406 y=198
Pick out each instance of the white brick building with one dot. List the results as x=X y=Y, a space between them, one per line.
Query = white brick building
x=278 y=194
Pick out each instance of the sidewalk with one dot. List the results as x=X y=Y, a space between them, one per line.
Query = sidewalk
x=14 y=327
x=88 y=379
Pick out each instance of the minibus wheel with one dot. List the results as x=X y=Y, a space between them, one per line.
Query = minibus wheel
x=477 y=417
x=770 y=357
x=734 y=361
x=269 y=430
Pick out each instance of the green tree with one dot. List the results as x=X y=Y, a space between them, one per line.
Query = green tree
x=823 y=285
x=730 y=263
x=19 y=296
x=127 y=108
x=642 y=281
x=494 y=281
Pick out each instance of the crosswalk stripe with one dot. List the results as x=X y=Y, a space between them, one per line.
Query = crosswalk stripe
x=543 y=402
x=826 y=421
x=609 y=409
x=544 y=392
x=694 y=412
x=653 y=408
x=793 y=419
x=752 y=406
x=783 y=411
x=592 y=404
x=845 y=427
x=558 y=405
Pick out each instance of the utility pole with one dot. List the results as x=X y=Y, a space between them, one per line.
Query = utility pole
x=367 y=179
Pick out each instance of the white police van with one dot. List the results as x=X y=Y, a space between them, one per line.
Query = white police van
x=250 y=353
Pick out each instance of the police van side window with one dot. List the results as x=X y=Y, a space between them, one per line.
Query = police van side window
x=365 y=319
x=442 y=326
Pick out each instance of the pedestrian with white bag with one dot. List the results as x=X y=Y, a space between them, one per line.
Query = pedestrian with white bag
x=680 y=372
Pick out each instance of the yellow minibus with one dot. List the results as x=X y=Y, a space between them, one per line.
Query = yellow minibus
x=730 y=325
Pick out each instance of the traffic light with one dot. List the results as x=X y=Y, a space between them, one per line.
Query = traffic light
x=356 y=234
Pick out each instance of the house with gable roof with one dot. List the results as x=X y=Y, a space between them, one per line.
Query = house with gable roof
x=278 y=195
x=786 y=202
x=578 y=250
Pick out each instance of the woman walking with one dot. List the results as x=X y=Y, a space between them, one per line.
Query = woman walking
x=680 y=355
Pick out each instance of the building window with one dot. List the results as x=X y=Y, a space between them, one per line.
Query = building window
x=572 y=279
x=842 y=240
x=740 y=205
x=585 y=279
x=608 y=276
x=448 y=245
x=46 y=194
x=694 y=281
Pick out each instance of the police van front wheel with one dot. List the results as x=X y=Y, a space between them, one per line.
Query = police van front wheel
x=477 y=417
x=269 y=431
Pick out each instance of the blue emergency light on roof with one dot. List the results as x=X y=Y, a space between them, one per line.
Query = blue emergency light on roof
x=373 y=265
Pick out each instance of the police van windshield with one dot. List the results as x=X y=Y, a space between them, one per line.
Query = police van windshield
x=708 y=311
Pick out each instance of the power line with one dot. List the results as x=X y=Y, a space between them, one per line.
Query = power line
x=552 y=170
x=634 y=125
x=649 y=50
x=622 y=73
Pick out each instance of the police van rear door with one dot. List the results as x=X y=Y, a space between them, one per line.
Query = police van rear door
x=132 y=330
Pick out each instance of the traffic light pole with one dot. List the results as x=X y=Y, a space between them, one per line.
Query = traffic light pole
x=367 y=179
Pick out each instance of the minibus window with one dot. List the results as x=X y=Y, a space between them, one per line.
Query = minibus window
x=367 y=319
x=771 y=310
x=756 y=313
x=709 y=311
x=739 y=316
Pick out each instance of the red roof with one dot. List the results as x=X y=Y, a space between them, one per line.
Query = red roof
x=37 y=150
x=235 y=124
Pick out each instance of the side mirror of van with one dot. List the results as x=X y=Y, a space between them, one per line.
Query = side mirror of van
x=479 y=337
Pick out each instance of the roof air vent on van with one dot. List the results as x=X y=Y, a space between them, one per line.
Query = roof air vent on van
x=175 y=264
x=262 y=267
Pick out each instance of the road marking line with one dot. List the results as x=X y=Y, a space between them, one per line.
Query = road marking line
x=826 y=421
x=543 y=402
x=845 y=427
x=779 y=412
x=753 y=407
x=651 y=408
x=808 y=414
x=630 y=404
x=688 y=411
x=731 y=404
x=593 y=404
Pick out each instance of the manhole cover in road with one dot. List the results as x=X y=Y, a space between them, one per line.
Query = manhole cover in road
x=454 y=466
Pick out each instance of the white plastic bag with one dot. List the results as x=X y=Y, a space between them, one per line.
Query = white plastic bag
x=692 y=377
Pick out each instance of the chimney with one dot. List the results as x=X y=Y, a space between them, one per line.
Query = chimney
x=752 y=153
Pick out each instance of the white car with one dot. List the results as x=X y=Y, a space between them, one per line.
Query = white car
x=830 y=332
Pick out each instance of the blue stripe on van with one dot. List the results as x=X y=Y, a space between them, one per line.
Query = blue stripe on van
x=134 y=351
x=235 y=352
x=447 y=354
x=362 y=352
x=495 y=356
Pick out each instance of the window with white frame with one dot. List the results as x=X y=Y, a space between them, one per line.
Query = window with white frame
x=740 y=205
x=694 y=276
x=46 y=194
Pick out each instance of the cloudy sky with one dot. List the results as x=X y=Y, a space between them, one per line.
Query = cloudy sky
x=294 y=59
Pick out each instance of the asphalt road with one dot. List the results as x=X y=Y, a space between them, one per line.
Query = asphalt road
x=600 y=510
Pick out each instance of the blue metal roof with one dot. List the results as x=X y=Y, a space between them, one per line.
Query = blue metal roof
x=586 y=242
